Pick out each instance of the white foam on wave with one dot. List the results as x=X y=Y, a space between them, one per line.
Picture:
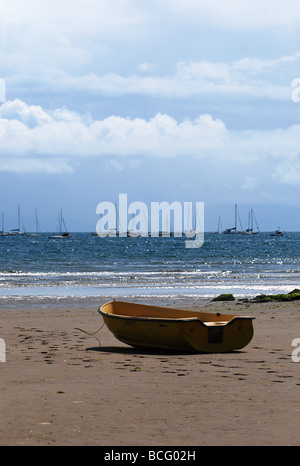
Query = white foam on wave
x=85 y=292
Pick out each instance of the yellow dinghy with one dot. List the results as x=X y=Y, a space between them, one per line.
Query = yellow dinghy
x=141 y=325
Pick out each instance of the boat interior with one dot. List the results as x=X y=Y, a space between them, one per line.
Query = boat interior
x=134 y=310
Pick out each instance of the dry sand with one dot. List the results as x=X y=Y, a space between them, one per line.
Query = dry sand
x=59 y=387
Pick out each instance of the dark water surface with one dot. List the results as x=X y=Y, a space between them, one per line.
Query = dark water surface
x=86 y=265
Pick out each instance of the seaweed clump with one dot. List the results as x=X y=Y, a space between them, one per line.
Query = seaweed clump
x=291 y=296
x=225 y=297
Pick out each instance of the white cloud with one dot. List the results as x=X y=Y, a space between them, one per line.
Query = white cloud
x=288 y=171
x=35 y=140
x=29 y=115
x=78 y=46
x=246 y=78
x=64 y=34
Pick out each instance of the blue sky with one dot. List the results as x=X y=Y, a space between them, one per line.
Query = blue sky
x=169 y=100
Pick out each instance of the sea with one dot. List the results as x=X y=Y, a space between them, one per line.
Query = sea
x=84 y=265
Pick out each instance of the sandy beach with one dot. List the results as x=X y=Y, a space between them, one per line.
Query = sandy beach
x=62 y=386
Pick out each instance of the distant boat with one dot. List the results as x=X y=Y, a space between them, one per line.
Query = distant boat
x=220 y=227
x=17 y=231
x=2 y=233
x=234 y=230
x=250 y=230
x=37 y=227
x=61 y=225
x=277 y=232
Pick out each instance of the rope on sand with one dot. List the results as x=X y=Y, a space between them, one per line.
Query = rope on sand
x=91 y=334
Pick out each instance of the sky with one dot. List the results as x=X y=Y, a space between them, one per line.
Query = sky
x=164 y=100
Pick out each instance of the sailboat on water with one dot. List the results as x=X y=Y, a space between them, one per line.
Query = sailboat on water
x=17 y=231
x=37 y=227
x=250 y=230
x=277 y=232
x=62 y=229
x=234 y=230
x=2 y=232
x=220 y=227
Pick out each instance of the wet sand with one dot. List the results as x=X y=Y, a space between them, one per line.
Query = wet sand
x=61 y=386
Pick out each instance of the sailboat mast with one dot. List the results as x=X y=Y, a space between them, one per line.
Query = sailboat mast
x=36 y=222
x=256 y=222
x=19 y=218
x=235 y=218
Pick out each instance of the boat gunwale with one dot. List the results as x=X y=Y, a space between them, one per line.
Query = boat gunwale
x=170 y=319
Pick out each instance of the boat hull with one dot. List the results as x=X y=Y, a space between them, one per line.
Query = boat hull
x=177 y=330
